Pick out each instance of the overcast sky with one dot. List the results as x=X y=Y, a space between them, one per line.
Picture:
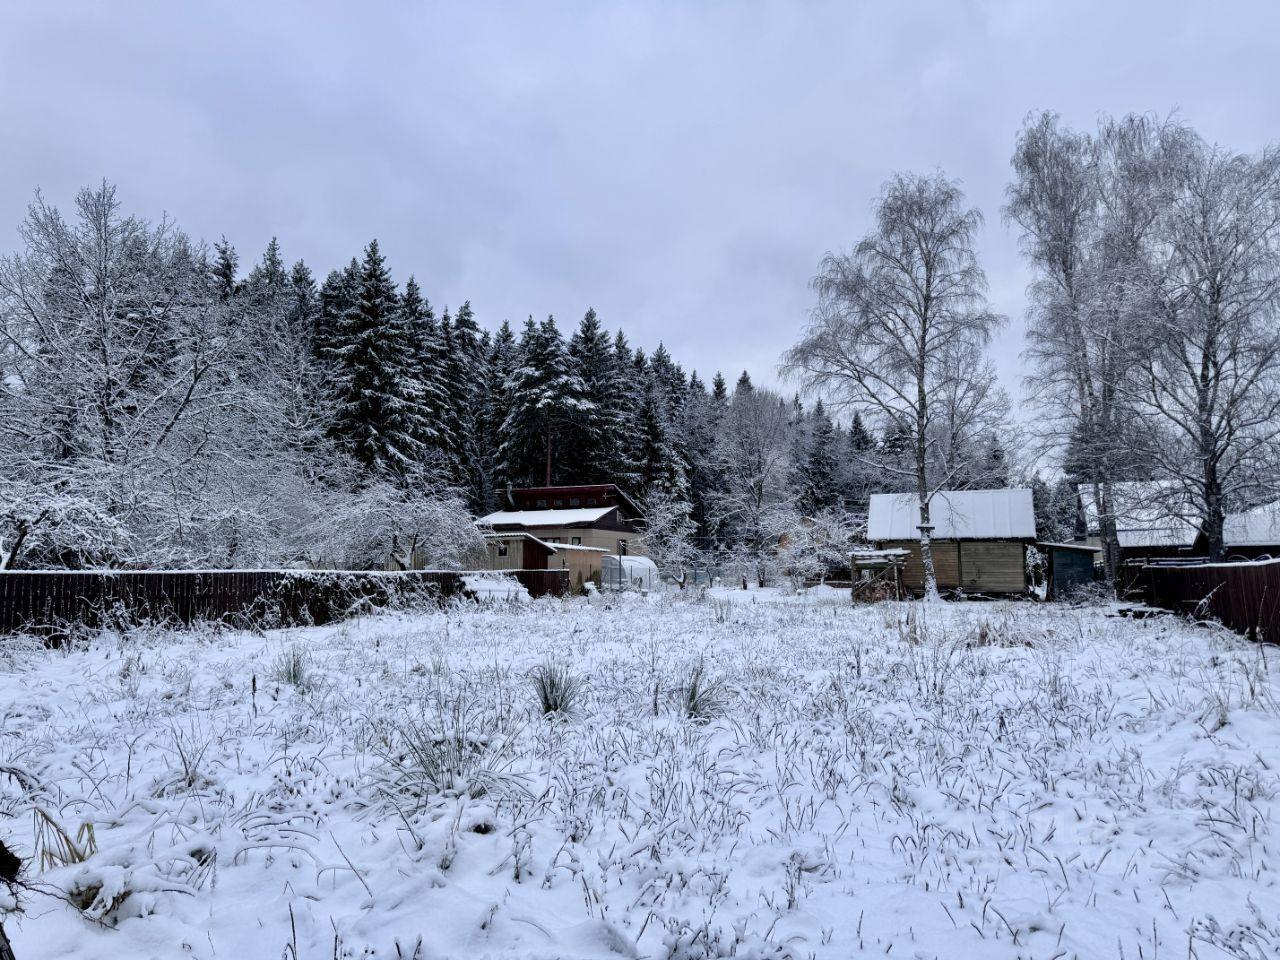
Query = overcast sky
x=681 y=167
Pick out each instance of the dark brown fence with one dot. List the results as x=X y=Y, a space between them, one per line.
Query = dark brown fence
x=542 y=583
x=1243 y=596
x=47 y=600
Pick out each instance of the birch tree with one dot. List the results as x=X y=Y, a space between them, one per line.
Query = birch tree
x=891 y=317
x=1209 y=363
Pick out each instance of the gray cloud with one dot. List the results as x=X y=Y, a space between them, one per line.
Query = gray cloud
x=681 y=167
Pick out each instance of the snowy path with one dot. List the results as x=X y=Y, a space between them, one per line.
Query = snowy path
x=996 y=780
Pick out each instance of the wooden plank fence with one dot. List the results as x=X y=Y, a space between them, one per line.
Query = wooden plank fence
x=47 y=601
x=1242 y=596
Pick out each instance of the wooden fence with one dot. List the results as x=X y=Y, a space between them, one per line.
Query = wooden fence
x=49 y=600
x=1242 y=596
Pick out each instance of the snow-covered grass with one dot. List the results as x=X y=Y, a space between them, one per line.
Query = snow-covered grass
x=723 y=777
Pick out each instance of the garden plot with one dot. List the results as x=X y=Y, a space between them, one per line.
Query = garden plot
x=717 y=778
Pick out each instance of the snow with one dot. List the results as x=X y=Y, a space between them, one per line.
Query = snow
x=977 y=780
x=955 y=515
x=545 y=518
x=1259 y=527
x=494 y=586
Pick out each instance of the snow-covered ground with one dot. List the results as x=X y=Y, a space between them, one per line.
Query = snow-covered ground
x=962 y=780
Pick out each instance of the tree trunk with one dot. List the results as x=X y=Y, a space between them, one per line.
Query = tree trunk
x=926 y=552
x=922 y=488
x=1214 y=515
x=1105 y=509
x=548 y=481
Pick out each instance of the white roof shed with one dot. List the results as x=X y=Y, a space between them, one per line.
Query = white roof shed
x=1259 y=527
x=955 y=514
x=1148 y=513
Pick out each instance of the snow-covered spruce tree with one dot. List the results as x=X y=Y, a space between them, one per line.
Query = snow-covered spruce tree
x=337 y=299
x=659 y=465
x=425 y=384
x=224 y=271
x=595 y=437
x=817 y=472
x=857 y=469
x=463 y=364
x=375 y=418
x=891 y=314
x=495 y=403
x=546 y=397
x=629 y=375
x=699 y=427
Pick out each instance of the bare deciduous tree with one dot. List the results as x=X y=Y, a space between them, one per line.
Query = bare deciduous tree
x=752 y=455
x=1210 y=357
x=893 y=315
x=1153 y=318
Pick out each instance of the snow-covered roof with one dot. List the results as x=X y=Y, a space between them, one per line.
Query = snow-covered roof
x=519 y=535
x=545 y=518
x=955 y=515
x=1259 y=527
x=1149 y=513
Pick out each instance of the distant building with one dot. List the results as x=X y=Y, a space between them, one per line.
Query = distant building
x=1250 y=534
x=1154 y=520
x=979 y=537
x=570 y=528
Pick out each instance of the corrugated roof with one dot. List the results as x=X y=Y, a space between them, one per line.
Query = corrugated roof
x=519 y=535
x=1259 y=527
x=955 y=514
x=546 y=518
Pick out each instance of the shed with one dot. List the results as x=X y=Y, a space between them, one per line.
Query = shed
x=979 y=537
x=1153 y=518
x=516 y=550
x=1070 y=567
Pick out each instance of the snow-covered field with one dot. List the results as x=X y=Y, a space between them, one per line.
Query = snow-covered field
x=962 y=780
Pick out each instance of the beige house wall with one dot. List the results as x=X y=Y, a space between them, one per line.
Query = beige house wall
x=583 y=565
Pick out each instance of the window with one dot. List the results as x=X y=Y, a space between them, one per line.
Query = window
x=622 y=548
x=576 y=541
x=542 y=504
x=551 y=539
x=575 y=501
x=502 y=548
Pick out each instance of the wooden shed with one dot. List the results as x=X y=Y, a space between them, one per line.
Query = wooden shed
x=518 y=550
x=979 y=537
